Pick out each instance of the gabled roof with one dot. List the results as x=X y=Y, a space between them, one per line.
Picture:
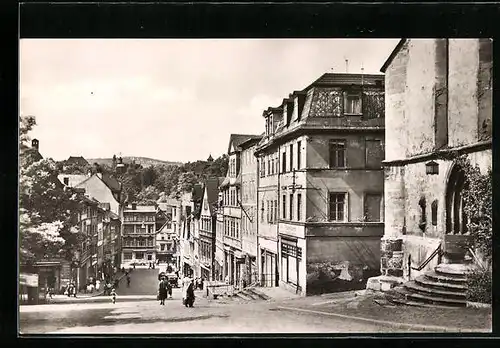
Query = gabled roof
x=237 y=139
x=251 y=141
x=392 y=55
x=76 y=159
x=105 y=206
x=111 y=182
x=212 y=189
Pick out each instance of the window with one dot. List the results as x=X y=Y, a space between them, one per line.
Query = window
x=299 y=206
x=268 y=212
x=268 y=165
x=291 y=207
x=275 y=210
x=127 y=256
x=291 y=157
x=283 y=164
x=352 y=102
x=162 y=247
x=298 y=154
x=271 y=216
x=372 y=207
x=434 y=212
x=162 y=237
x=337 y=153
x=277 y=163
x=284 y=207
x=374 y=153
x=262 y=212
x=337 y=206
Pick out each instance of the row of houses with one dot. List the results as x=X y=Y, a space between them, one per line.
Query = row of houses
x=345 y=163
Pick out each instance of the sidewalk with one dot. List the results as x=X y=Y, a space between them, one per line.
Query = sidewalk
x=61 y=299
x=373 y=308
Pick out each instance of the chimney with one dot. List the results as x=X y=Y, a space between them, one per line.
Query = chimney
x=35 y=144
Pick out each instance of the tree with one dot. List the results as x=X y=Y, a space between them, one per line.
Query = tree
x=478 y=206
x=148 y=196
x=48 y=212
x=186 y=182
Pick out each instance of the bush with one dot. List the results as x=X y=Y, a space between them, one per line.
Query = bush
x=479 y=285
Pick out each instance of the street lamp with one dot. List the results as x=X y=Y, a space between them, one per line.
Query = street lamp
x=431 y=168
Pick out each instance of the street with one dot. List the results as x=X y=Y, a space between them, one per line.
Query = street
x=208 y=316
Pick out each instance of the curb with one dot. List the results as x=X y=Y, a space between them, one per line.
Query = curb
x=387 y=323
x=101 y=299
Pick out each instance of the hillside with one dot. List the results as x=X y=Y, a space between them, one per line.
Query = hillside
x=144 y=161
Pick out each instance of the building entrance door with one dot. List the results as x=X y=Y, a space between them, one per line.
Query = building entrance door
x=456 y=237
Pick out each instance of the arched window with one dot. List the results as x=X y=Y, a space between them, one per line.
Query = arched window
x=423 y=215
x=456 y=220
x=434 y=212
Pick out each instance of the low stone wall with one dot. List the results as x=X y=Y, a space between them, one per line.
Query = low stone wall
x=326 y=277
x=391 y=260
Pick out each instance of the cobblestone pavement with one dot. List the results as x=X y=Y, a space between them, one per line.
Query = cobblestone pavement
x=208 y=316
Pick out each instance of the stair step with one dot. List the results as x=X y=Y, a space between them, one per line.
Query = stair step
x=441 y=278
x=243 y=296
x=258 y=294
x=431 y=299
x=425 y=281
x=413 y=286
x=416 y=304
x=453 y=270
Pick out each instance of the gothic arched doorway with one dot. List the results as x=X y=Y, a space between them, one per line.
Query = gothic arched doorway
x=456 y=219
x=456 y=235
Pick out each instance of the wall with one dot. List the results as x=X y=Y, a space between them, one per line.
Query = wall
x=462 y=94
x=419 y=96
x=341 y=258
x=356 y=183
x=396 y=134
x=249 y=201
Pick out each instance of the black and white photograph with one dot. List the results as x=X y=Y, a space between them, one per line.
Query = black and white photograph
x=255 y=185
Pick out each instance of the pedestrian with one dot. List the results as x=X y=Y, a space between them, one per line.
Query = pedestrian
x=162 y=291
x=113 y=295
x=97 y=285
x=128 y=281
x=169 y=288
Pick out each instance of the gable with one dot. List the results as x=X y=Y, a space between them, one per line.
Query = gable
x=205 y=208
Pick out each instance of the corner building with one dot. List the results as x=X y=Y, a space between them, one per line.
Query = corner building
x=320 y=185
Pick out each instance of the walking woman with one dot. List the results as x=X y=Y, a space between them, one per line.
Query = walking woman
x=162 y=290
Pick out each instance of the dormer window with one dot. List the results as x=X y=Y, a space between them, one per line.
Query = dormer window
x=352 y=103
x=289 y=111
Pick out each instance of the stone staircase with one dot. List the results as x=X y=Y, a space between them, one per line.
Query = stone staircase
x=249 y=294
x=445 y=286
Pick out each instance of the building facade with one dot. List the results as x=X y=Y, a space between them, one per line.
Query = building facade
x=138 y=233
x=165 y=235
x=249 y=214
x=234 y=258
x=321 y=184
x=439 y=105
x=206 y=240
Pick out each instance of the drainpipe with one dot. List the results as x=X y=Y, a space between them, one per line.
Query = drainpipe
x=278 y=224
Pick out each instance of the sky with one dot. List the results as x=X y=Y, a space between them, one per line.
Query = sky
x=172 y=100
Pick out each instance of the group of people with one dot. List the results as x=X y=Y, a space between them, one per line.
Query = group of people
x=165 y=290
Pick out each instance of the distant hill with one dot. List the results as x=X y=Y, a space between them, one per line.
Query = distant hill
x=144 y=161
